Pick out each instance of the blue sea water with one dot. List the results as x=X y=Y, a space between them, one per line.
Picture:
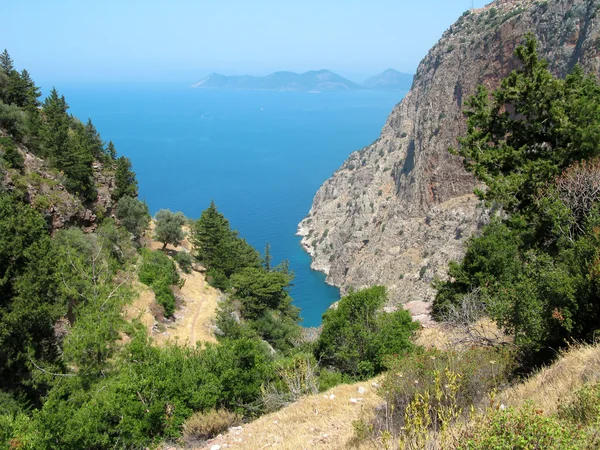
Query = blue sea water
x=260 y=155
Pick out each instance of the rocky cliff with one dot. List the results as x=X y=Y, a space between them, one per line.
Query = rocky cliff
x=399 y=210
x=43 y=187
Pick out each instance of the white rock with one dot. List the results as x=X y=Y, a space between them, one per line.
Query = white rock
x=332 y=396
x=361 y=390
x=216 y=447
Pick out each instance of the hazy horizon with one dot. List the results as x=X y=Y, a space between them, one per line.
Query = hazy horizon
x=183 y=41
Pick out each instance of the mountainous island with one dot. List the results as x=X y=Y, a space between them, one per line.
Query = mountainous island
x=465 y=239
x=315 y=80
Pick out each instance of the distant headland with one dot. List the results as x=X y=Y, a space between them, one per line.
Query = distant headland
x=314 y=80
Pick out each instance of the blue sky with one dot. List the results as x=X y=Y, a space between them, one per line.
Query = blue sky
x=183 y=40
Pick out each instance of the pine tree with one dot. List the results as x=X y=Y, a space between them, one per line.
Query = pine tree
x=55 y=131
x=210 y=235
x=94 y=141
x=6 y=62
x=125 y=179
x=32 y=92
x=267 y=258
x=111 y=151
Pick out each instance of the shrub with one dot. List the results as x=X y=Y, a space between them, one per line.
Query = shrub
x=184 y=259
x=157 y=268
x=205 y=425
x=429 y=389
x=525 y=428
x=165 y=298
x=12 y=155
x=159 y=273
x=133 y=214
x=13 y=120
x=585 y=408
x=356 y=337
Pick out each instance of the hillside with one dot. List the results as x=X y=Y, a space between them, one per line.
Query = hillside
x=315 y=80
x=390 y=80
x=326 y=422
x=397 y=211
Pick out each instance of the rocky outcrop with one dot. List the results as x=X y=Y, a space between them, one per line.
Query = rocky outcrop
x=399 y=210
x=42 y=187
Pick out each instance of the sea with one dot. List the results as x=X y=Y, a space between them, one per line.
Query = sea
x=260 y=155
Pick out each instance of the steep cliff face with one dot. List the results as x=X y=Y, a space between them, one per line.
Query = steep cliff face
x=399 y=210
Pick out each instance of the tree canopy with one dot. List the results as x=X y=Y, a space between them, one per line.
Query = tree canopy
x=535 y=143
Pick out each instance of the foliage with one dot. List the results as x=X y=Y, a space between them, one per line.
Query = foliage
x=218 y=247
x=159 y=272
x=29 y=292
x=13 y=120
x=150 y=396
x=294 y=378
x=125 y=180
x=168 y=227
x=133 y=214
x=357 y=337
x=533 y=144
x=185 y=261
x=584 y=409
x=525 y=428
x=427 y=390
x=12 y=155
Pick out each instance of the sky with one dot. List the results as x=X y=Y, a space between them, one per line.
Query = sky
x=184 y=40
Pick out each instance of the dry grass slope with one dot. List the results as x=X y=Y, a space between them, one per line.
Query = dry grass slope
x=317 y=421
x=558 y=383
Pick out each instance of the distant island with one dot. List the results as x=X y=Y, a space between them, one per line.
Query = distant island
x=314 y=80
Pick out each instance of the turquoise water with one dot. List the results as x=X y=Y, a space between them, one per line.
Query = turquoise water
x=260 y=155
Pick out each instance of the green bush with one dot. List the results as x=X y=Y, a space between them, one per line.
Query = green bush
x=585 y=408
x=159 y=272
x=185 y=260
x=151 y=395
x=133 y=214
x=165 y=298
x=357 y=337
x=524 y=428
x=12 y=155
x=157 y=268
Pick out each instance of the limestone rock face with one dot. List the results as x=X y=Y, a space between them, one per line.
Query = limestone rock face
x=399 y=210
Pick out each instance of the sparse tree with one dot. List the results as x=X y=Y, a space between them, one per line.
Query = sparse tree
x=133 y=214
x=168 y=227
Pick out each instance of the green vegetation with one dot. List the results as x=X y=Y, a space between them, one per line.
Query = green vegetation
x=357 y=337
x=159 y=272
x=535 y=269
x=133 y=215
x=168 y=227
x=50 y=132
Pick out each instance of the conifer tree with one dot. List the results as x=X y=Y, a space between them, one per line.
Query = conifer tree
x=6 y=62
x=111 y=151
x=94 y=141
x=209 y=236
x=267 y=258
x=55 y=131
x=125 y=179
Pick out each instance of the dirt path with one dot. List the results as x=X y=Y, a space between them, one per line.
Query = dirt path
x=193 y=321
x=196 y=318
